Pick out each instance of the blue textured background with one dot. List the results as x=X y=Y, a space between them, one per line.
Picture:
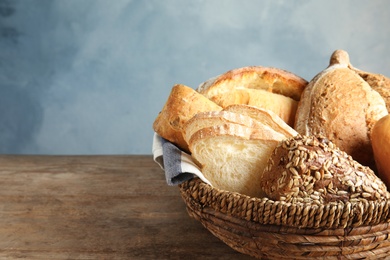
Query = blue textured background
x=90 y=76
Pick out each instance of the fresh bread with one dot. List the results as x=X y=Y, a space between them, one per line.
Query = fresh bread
x=264 y=116
x=313 y=170
x=232 y=156
x=379 y=83
x=284 y=107
x=214 y=118
x=380 y=139
x=182 y=104
x=269 y=88
x=340 y=105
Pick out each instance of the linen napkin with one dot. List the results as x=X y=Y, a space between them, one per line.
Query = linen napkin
x=178 y=165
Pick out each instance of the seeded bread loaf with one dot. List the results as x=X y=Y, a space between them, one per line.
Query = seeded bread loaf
x=232 y=156
x=182 y=104
x=341 y=106
x=306 y=169
x=270 y=88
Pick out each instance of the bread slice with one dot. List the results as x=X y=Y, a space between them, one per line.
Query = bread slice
x=264 y=116
x=213 y=118
x=182 y=104
x=233 y=157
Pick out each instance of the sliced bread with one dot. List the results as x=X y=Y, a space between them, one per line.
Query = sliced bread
x=233 y=157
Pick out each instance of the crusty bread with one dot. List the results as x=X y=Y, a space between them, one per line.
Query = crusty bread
x=379 y=83
x=213 y=118
x=380 y=139
x=270 y=88
x=232 y=156
x=313 y=170
x=265 y=116
x=340 y=105
x=182 y=104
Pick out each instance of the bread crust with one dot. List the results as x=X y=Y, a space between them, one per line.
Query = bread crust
x=182 y=104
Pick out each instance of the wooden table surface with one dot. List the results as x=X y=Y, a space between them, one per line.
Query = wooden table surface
x=97 y=207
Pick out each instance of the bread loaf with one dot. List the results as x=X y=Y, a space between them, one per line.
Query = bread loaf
x=341 y=106
x=379 y=83
x=313 y=170
x=269 y=88
x=232 y=156
x=380 y=139
x=182 y=104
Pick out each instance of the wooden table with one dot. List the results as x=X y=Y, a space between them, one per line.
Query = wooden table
x=97 y=207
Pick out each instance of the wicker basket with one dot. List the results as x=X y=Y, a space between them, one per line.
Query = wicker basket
x=269 y=229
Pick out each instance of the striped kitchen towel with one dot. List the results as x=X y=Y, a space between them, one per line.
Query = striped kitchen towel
x=177 y=165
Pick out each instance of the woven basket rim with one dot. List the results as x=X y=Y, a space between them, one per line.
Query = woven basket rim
x=298 y=215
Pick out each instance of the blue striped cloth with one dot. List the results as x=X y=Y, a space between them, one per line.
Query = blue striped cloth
x=177 y=165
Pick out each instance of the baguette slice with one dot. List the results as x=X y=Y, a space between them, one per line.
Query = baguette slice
x=233 y=157
x=213 y=118
x=182 y=104
x=265 y=116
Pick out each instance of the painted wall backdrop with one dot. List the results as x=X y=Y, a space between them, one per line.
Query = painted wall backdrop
x=90 y=76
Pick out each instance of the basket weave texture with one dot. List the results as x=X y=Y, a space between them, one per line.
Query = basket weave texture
x=269 y=229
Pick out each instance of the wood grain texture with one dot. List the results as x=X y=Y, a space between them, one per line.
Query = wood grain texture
x=97 y=207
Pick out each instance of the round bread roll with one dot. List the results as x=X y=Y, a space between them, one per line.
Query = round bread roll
x=307 y=169
x=380 y=139
x=340 y=105
x=265 y=87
